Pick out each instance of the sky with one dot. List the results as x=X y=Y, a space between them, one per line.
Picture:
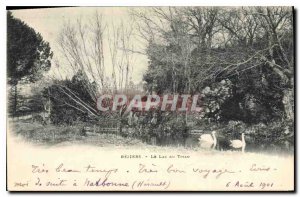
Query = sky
x=49 y=22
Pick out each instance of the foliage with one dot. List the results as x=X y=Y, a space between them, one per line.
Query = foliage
x=195 y=50
x=214 y=97
x=70 y=100
x=28 y=55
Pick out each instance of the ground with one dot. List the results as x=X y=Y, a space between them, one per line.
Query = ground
x=63 y=135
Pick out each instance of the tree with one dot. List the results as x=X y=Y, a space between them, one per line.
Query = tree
x=121 y=52
x=263 y=38
x=81 y=47
x=70 y=99
x=190 y=49
x=28 y=55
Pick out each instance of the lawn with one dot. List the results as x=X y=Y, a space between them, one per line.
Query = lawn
x=63 y=135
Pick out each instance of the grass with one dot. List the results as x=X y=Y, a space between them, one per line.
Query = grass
x=64 y=135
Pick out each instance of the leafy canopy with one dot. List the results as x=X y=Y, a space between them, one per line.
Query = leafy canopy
x=28 y=55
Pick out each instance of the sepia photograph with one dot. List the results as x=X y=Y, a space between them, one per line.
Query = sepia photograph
x=176 y=98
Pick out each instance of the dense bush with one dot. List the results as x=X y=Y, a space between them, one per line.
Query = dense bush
x=66 y=97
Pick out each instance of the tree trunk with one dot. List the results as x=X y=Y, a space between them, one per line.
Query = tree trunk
x=287 y=101
x=288 y=94
x=15 y=102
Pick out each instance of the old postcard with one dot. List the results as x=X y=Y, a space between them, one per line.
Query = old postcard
x=150 y=99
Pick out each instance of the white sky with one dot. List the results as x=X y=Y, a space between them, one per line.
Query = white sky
x=48 y=22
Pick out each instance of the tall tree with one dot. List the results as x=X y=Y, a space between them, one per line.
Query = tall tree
x=190 y=49
x=28 y=55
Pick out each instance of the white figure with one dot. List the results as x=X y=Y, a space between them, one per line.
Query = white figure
x=239 y=143
x=208 y=140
